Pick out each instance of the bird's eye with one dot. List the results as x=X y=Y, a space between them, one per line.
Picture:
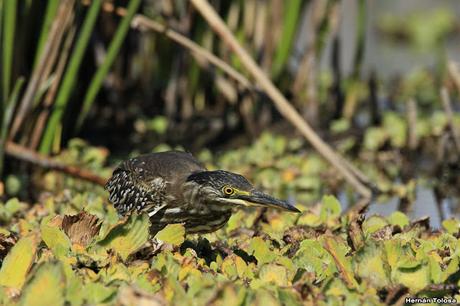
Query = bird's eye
x=228 y=190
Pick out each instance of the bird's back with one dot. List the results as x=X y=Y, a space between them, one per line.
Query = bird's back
x=149 y=182
x=163 y=164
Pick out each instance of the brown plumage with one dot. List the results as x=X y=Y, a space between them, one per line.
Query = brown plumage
x=173 y=187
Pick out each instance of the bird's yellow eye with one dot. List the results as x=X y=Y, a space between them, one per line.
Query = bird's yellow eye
x=229 y=190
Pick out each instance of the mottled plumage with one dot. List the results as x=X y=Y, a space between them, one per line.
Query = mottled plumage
x=173 y=187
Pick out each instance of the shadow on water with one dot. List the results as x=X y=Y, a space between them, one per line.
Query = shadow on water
x=387 y=57
x=390 y=59
x=424 y=205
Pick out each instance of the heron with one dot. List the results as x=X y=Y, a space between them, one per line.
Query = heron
x=174 y=187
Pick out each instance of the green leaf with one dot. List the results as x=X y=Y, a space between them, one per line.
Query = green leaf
x=398 y=218
x=159 y=124
x=55 y=238
x=415 y=279
x=310 y=219
x=173 y=234
x=288 y=297
x=406 y=269
x=396 y=127
x=374 y=138
x=228 y=267
x=373 y=224
x=114 y=272
x=234 y=266
x=8 y=209
x=264 y=297
x=370 y=263
x=46 y=287
x=126 y=238
x=274 y=274
x=436 y=274
x=261 y=251
x=451 y=225
x=330 y=208
x=12 y=206
x=13 y=184
x=340 y=125
x=312 y=257
x=18 y=262
x=74 y=294
x=338 y=250
x=438 y=122
x=97 y=293
x=452 y=268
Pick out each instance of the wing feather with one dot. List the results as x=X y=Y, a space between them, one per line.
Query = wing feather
x=149 y=182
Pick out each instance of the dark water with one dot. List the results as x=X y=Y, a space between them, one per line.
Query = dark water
x=425 y=205
x=389 y=59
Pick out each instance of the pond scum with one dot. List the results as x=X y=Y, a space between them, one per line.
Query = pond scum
x=134 y=76
x=71 y=248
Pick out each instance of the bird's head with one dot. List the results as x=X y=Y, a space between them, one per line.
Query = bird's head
x=227 y=188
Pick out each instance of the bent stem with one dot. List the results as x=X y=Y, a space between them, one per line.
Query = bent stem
x=349 y=172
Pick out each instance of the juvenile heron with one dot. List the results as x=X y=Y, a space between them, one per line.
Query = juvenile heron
x=174 y=187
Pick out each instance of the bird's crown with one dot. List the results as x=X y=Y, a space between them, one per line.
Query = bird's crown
x=228 y=181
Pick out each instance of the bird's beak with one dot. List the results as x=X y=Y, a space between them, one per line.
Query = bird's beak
x=258 y=198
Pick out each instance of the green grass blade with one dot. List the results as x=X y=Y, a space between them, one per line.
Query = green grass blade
x=112 y=52
x=9 y=27
x=360 y=39
x=50 y=13
x=70 y=76
x=7 y=115
x=292 y=12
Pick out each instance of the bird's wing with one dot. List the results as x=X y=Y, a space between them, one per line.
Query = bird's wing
x=128 y=192
x=149 y=182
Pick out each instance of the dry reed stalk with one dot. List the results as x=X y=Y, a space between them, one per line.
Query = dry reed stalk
x=284 y=107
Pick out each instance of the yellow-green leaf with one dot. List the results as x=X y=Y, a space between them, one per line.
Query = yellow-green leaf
x=373 y=224
x=310 y=219
x=338 y=250
x=115 y=272
x=395 y=126
x=234 y=265
x=398 y=218
x=228 y=267
x=46 y=287
x=18 y=262
x=172 y=234
x=374 y=138
x=128 y=237
x=55 y=238
x=259 y=248
x=330 y=208
x=97 y=293
x=415 y=279
x=275 y=274
x=369 y=263
x=452 y=226
x=312 y=257
x=74 y=294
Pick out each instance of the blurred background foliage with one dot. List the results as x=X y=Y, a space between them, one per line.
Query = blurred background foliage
x=90 y=83
x=91 y=70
